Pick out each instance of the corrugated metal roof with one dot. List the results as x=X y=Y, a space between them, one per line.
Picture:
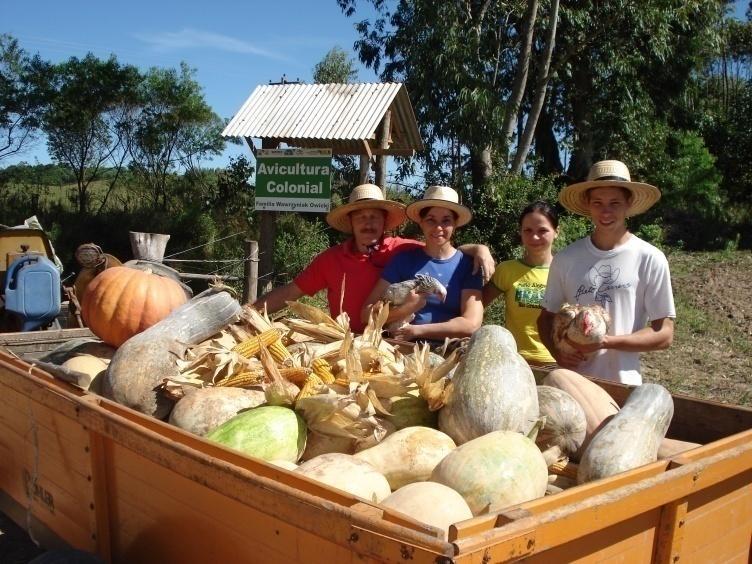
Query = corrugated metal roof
x=337 y=116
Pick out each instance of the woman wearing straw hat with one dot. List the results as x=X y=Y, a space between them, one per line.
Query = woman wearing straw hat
x=350 y=270
x=615 y=269
x=438 y=214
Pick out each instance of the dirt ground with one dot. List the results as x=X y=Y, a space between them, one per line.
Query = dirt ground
x=711 y=356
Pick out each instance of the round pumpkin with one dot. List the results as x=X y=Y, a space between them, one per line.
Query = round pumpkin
x=121 y=302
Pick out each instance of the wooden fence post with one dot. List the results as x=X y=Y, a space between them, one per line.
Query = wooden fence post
x=250 y=272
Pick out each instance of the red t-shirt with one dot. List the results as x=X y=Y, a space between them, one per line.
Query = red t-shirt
x=360 y=272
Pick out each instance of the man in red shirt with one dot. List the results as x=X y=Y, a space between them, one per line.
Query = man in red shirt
x=350 y=270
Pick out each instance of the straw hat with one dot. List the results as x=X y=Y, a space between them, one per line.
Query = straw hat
x=366 y=196
x=605 y=174
x=443 y=197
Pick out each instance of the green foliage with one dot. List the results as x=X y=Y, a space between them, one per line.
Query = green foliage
x=23 y=96
x=175 y=129
x=298 y=241
x=652 y=233
x=571 y=228
x=692 y=205
x=496 y=212
x=87 y=120
x=335 y=68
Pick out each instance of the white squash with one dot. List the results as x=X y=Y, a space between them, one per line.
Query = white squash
x=346 y=473
x=430 y=503
x=632 y=437
x=493 y=389
x=90 y=368
x=494 y=471
x=409 y=455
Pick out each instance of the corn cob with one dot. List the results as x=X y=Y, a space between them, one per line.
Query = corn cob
x=311 y=383
x=342 y=381
x=322 y=369
x=241 y=379
x=295 y=375
x=566 y=469
x=269 y=338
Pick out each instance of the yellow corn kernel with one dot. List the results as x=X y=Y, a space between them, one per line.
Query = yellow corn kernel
x=297 y=376
x=323 y=370
x=311 y=383
x=341 y=381
x=279 y=352
x=241 y=379
x=252 y=346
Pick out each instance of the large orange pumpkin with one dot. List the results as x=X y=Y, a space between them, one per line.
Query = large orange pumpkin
x=121 y=302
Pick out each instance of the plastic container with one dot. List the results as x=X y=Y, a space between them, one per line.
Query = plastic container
x=32 y=290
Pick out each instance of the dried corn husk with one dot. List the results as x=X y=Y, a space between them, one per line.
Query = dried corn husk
x=351 y=415
x=433 y=381
x=279 y=391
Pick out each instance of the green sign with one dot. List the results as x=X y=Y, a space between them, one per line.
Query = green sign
x=294 y=180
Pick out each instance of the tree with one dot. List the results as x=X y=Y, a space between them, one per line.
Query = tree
x=466 y=66
x=22 y=96
x=335 y=68
x=89 y=119
x=175 y=129
x=618 y=67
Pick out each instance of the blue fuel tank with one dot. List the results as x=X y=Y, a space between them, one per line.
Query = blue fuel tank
x=32 y=291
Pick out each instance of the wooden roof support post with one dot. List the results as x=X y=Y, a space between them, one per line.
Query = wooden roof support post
x=267 y=235
x=385 y=139
x=365 y=163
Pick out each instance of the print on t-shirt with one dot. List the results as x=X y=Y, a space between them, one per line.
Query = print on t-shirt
x=529 y=295
x=603 y=278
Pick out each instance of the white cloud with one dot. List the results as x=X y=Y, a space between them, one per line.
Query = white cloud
x=193 y=39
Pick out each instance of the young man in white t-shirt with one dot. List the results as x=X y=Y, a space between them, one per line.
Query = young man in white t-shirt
x=615 y=269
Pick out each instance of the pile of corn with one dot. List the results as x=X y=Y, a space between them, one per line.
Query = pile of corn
x=312 y=351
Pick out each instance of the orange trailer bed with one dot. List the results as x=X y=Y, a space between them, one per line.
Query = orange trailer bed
x=82 y=470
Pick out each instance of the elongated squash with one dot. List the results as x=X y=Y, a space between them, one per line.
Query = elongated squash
x=599 y=407
x=493 y=389
x=142 y=363
x=409 y=455
x=632 y=437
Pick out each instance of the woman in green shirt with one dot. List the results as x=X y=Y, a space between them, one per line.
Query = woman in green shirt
x=523 y=283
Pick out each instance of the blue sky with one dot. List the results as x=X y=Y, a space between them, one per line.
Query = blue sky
x=234 y=46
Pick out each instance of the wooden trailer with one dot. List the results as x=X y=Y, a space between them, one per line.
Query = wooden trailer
x=81 y=470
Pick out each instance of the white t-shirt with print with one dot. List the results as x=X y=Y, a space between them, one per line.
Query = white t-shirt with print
x=632 y=282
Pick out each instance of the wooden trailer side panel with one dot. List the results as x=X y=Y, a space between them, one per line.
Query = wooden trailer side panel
x=45 y=467
x=717 y=526
x=158 y=515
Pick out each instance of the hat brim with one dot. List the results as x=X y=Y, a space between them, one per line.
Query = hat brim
x=464 y=215
x=339 y=218
x=644 y=196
